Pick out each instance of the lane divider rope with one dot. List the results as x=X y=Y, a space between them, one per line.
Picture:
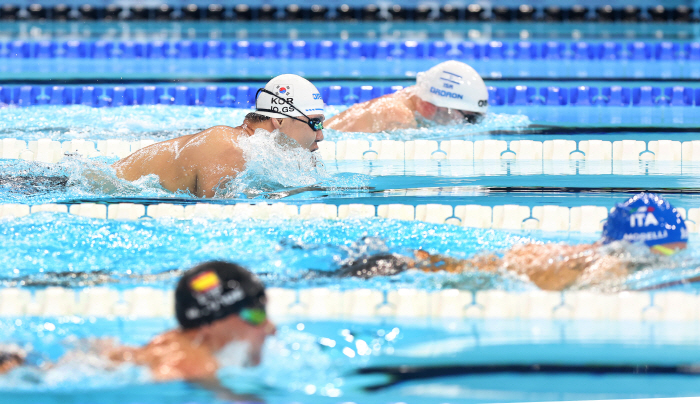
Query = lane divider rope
x=51 y=151
x=324 y=303
x=584 y=219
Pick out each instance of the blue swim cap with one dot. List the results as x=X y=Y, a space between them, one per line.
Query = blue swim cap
x=646 y=218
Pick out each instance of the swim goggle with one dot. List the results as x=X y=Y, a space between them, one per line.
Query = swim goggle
x=471 y=117
x=254 y=317
x=315 y=124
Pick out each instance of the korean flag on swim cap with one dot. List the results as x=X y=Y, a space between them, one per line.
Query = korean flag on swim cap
x=454 y=85
x=646 y=218
x=289 y=89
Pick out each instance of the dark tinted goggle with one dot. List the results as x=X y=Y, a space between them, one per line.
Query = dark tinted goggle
x=471 y=117
x=315 y=124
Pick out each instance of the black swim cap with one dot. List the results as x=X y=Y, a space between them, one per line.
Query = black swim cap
x=215 y=290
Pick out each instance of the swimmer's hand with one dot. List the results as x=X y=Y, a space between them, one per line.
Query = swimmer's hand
x=224 y=393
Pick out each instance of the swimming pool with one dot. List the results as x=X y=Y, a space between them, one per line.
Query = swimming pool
x=544 y=167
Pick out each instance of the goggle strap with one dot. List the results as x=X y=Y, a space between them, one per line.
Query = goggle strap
x=277 y=96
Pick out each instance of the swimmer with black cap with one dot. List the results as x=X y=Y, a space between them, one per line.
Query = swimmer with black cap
x=203 y=162
x=645 y=218
x=220 y=308
x=449 y=93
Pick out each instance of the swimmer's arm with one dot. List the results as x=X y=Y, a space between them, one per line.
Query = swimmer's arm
x=221 y=161
x=436 y=262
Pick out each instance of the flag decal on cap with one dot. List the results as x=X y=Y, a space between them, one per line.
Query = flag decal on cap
x=283 y=90
x=205 y=282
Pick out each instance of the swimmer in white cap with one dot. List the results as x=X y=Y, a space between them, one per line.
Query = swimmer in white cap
x=198 y=163
x=451 y=92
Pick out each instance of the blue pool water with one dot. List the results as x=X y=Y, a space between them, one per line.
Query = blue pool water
x=299 y=368
x=314 y=361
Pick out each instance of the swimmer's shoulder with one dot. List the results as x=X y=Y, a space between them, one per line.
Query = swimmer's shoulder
x=215 y=140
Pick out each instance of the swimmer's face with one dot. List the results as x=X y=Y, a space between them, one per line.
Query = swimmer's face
x=234 y=328
x=669 y=248
x=302 y=133
x=450 y=116
x=445 y=116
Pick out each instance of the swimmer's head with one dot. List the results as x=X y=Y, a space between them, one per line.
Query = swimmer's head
x=647 y=218
x=298 y=103
x=456 y=91
x=225 y=304
x=288 y=95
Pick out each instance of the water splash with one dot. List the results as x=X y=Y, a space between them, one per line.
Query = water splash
x=276 y=166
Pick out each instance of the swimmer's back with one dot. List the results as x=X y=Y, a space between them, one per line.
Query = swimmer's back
x=194 y=163
x=389 y=112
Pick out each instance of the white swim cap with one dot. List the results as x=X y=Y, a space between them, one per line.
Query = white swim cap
x=455 y=85
x=288 y=90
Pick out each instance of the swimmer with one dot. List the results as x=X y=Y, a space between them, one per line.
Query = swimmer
x=451 y=92
x=220 y=308
x=10 y=358
x=202 y=162
x=645 y=218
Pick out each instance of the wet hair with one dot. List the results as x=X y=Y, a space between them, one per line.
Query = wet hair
x=252 y=117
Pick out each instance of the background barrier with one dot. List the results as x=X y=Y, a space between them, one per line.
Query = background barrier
x=243 y=96
x=299 y=49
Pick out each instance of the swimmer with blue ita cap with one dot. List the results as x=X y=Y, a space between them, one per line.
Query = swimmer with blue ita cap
x=199 y=163
x=645 y=219
x=451 y=92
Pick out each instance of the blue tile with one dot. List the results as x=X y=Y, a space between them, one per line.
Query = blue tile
x=521 y=95
x=497 y=95
x=157 y=50
x=269 y=50
x=45 y=49
x=582 y=51
x=495 y=50
x=299 y=50
x=615 y=96
x=366 y=93
x=243 y=49
x=693 y=51
x=638 y=51
x=392 y=89
x=524 y=50
x=645 y=96
x=101 y=49
x=439 y=50
x=665 y=51
x=59 y=95
x=182 y=95
x=73 y=49
x=679 y=96
x=583 y=95
x=326 y=50
x=609 y=51
x=213 y=50
x=470 y=50
x=18 y=49
x=413 y=50
x=243 y=97
x=554 y=95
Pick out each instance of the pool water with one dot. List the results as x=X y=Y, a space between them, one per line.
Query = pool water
x=365 y=360
x=315 y=361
